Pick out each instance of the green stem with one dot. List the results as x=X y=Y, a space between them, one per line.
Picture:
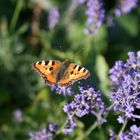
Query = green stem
x=122 y=129
x=91 y=128
x=60 y=130
x=96 y=124
x=16 y=15
x=65 y=123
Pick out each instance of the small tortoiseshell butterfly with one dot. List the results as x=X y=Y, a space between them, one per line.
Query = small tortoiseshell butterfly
x=63 y=74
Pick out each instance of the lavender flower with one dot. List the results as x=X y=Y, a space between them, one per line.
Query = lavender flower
x=44 y=134
x=121 y=119
x=117 y=73
x=125 y=6
x=71 y=124
x=52 y=128
x=112 y=135
x=88 y=101
x=17 y=115
x=133 y=134
x=120 y=69
x=125 y=96
x=63 y=90
x=95 y=13
x=53 y=17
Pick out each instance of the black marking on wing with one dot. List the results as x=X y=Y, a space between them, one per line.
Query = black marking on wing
x=84 y=70
x=71 y=72
x=79 y=68
x=75 y=66
x=53 y=62
x=46 y=62
x=39 y=62
x=51 y=68
x=47 y=81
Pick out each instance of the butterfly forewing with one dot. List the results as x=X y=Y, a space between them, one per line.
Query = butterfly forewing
x=47 y=70
x=74 y=72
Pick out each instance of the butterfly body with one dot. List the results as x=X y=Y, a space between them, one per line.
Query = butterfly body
x=63 y=74
x=62 y=71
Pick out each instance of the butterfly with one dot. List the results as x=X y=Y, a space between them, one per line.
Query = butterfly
x=60 y=73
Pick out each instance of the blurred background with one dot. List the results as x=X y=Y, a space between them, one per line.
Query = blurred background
x=32 y=30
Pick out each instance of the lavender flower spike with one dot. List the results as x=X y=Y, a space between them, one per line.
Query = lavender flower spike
x=88 y=101
x=133 y=134
x=63 y=90
x=68 y=129
x=116 y=73
x=126 y=96
x=125 y=6
x=44 y=134
x=95 y=13
x=18 y=116
x=53 y=17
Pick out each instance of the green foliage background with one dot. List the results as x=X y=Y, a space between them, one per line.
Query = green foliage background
x=20 y=46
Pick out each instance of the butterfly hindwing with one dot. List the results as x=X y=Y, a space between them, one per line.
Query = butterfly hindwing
x=74 y=73
x=47 y=70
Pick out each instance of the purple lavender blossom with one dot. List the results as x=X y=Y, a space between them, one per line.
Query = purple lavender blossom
x=88 y=101
x=17 y=115
x=125 y=96
x=120 y=69
x=71 y=124
x=53 y=17
x=112 y=135
x=117 y=73
x=125 y=6
x=44 y=134
x=121 y=119
x=133 y=134
x=52 y=128
x=63 y=90
x=95 y=13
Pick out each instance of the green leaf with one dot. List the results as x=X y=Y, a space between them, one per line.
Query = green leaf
x=130 y=24
x=4 y=95
x=101 y=67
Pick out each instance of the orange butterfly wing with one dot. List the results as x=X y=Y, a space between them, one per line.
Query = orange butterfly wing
x=47 y=70
x=74 y=73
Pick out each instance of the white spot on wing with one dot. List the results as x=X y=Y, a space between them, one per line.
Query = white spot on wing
x=77 y=67
x=43 y=63
x=50 y=62
x=37 y=62
x=82 y=70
